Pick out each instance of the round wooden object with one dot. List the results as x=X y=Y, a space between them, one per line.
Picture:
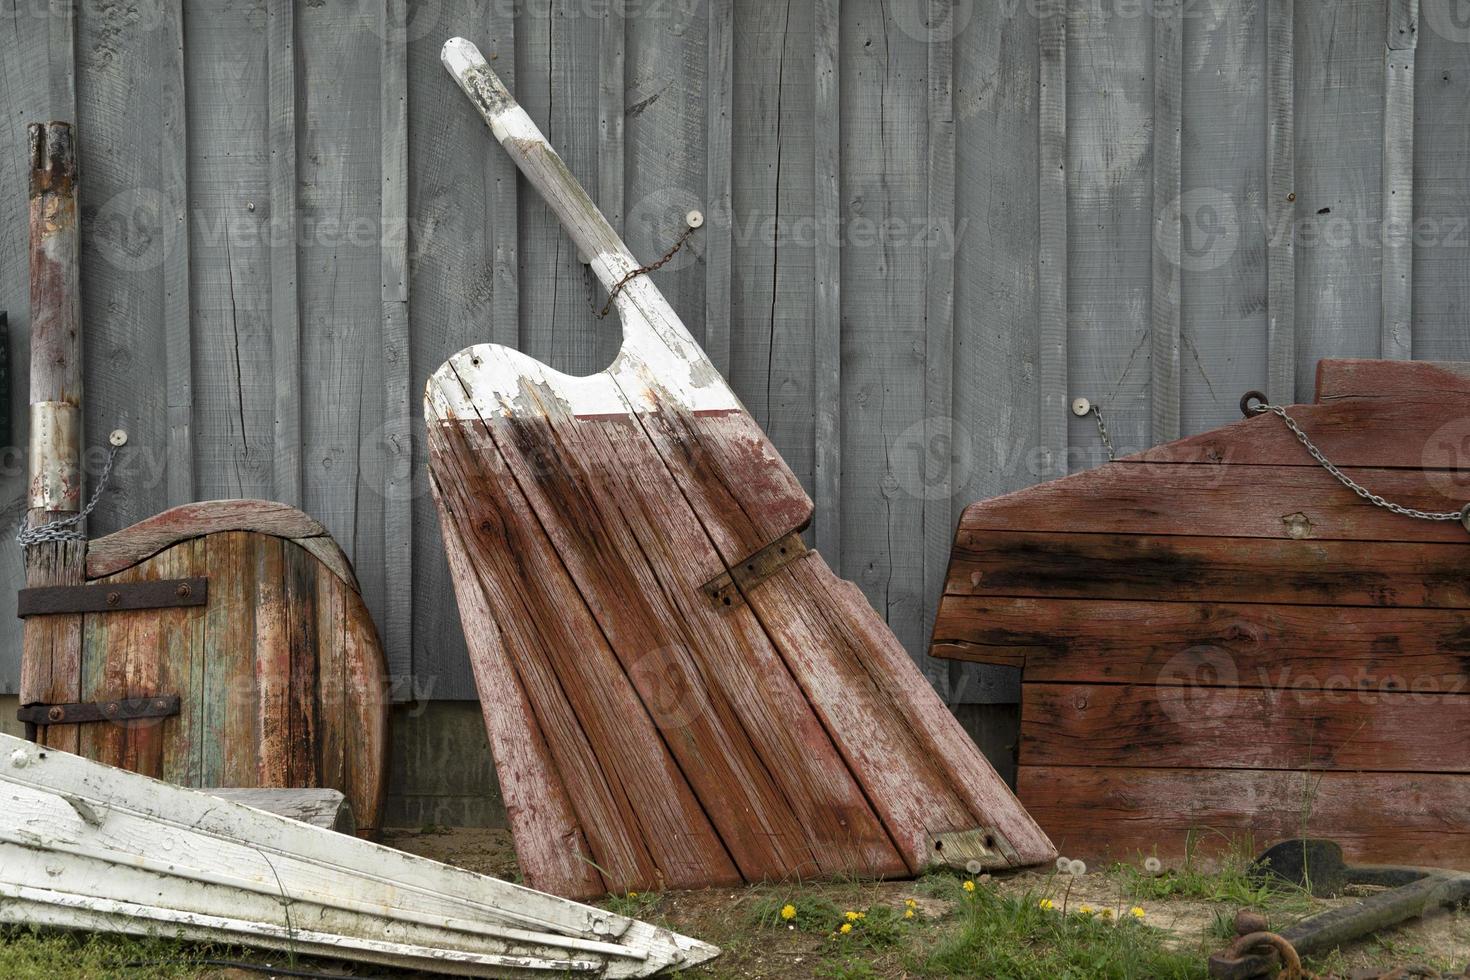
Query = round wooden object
x=280 y=673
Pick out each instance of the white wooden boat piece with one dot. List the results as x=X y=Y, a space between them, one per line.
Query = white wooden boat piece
x=87 y=846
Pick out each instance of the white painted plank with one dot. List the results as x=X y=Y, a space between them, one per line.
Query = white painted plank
x=78 y=837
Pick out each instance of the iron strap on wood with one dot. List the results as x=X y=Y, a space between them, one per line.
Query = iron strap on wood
x=1255 y=403
x=86 y=712
x=112 y=597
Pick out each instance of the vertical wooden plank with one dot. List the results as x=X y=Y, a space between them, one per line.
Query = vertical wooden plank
x=719 y=149
x=285 y=310
x=24 y=82
x=1441 y=291
x=1281 y=195
x=939 y=274
x=181 y=655
x=1110 y=93
x=271 y=643
x=611 y=58
x=174 y=221
x=307 y=731
x=772 y=334
x=339 y=184
x=329 y=630
x=827 y=298
x=122 y=149
x=1339 y=155
x=396 y=444
x=1225 y=237
x=228 y=692
x=1052 y=249
x=884 y=169
x=994 y=227
x=61 y=58
x=558 y=84
x=1396 y=327
x=1164 y=333
x=462 y=202
x=666 y=107
x=233 y=168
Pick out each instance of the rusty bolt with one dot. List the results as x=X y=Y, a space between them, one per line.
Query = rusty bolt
x=56 y=714
x=184 y=590
x=1291 y=196
x=111 y=709
x=113 y=598
x=159 y=704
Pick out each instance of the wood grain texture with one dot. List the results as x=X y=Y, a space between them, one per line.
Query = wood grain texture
x=1168 y=216
x=1181 y=568
x=1389 y=818
x=1109 y=641
x=287 y=471
x=1313 y=730
x=1339 y=91
x=1053 y=252
x=1396 y=328
x=1226 y=237
x=827 y=282
x=1281 y=198
x=272 y=692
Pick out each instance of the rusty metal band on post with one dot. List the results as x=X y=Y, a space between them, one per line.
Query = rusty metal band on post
x=55 y=477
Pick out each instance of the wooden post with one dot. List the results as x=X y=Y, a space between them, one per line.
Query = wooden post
x=51 y=653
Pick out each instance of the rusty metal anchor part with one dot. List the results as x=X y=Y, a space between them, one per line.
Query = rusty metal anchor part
x=1318 y=866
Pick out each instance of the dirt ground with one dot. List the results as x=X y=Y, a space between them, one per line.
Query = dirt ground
x=728 y=917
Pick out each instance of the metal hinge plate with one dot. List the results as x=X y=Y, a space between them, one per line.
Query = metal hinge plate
x=112 y=597
x=86 y=712
x=981 y=849
x=727 y=589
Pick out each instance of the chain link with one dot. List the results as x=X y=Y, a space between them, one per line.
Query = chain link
x=1102 y=430
x=66 y=529
x=1347 y=481
x=644 y=270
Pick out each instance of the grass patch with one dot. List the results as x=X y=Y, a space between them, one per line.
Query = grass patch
x=1229 y=884
x=26 y=954
x=1015 y=937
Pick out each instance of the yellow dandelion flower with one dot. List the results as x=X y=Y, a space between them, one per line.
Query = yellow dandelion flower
x=1137 y=912
x=788 y=912
x=910 y=903
x=632 y=894
x=846 y=928
x=1106 y=913
x=1046 y=904
x=969 y=886
x=1085 y=909
x=854 y=916
x=908 y=913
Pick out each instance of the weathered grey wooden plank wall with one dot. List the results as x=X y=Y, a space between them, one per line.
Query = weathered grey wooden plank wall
x=932 y=223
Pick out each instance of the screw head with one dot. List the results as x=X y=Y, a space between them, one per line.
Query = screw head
x=1081 y=406
x=113 y=598
x=184 y=590
x=694 y=219
x=19 y=759
x=55 y=713
x=119 y=437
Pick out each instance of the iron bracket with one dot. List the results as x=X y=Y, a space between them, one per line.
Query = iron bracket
x=112 y=597
x=729 y=588
x=40 y=715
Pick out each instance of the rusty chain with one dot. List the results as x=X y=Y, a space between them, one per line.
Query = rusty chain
x=67 y=528
x=1254 y=403
x=644 y=270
